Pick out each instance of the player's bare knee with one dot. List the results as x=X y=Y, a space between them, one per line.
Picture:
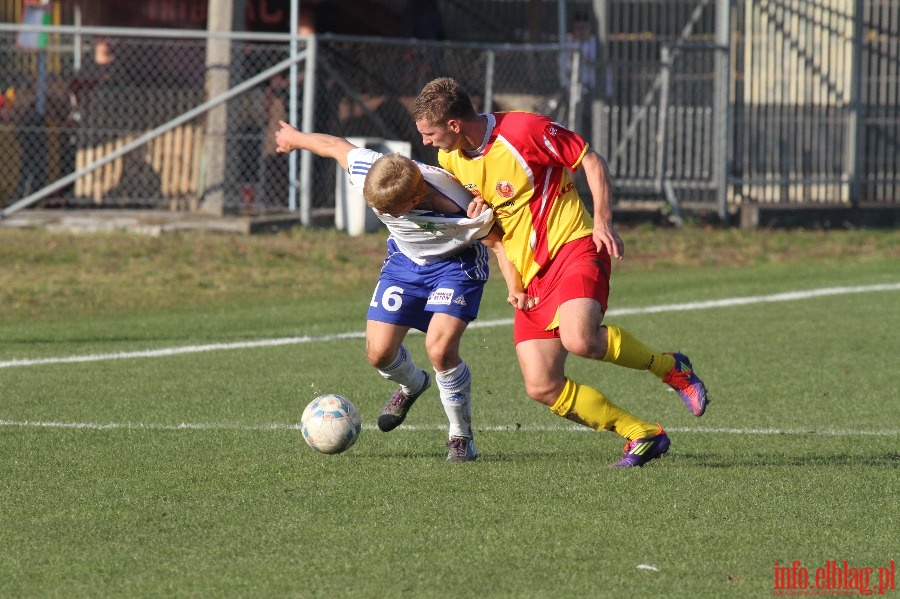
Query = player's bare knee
x=379 y=357
x=443 y=358
x=580 y=346
x=545 y=392
x=443 y=353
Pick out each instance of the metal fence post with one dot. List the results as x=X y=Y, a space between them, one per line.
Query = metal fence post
x=575 y=92
x=489 y=81
x=662 y=183
x=309 y=99
x=662 y=124
x=600 y=100
x=721 y=106
x=292 y=103
x=855 y=119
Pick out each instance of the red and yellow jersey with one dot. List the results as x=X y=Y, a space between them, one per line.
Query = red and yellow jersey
x=523 y=171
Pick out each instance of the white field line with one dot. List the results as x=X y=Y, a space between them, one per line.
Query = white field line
x=192 y=349
x=830 y=432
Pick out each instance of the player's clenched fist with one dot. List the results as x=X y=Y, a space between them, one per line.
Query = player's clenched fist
x=477 y=207
x=283 y=138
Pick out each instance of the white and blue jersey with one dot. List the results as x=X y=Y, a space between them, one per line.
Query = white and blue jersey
x=425 y=235
x=434 y=261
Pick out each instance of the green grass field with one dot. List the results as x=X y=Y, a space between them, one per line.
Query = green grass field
x=149 y=442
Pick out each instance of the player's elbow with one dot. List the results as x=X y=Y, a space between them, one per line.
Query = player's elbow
x=593 y=161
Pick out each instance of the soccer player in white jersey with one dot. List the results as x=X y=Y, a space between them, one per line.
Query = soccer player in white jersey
x=432 y=279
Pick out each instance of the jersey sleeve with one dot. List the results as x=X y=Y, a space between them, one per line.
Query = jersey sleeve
x=566 y=145
x=359 y=161
x=446 y=183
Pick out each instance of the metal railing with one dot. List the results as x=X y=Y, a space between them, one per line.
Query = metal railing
x=787 y=104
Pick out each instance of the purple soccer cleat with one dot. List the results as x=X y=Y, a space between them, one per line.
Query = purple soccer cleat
x=640 y=451
x=685 y=381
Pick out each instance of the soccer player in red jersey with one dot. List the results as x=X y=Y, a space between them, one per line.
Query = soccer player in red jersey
x=520 y=165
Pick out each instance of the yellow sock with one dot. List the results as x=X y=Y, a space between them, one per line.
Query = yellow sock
x=590 y=408
x=623 y=349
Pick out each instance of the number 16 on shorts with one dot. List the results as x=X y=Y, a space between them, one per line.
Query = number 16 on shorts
x=395 y=305
x=391 y=300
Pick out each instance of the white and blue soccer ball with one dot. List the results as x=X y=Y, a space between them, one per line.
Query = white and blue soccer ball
x=330 y=424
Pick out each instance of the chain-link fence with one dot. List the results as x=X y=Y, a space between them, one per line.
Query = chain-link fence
x=62 y=117
x=794 y=104
x=76 y=101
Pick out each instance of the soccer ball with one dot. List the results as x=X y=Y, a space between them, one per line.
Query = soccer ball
x=330 y=424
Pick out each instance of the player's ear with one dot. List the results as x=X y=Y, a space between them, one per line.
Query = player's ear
x=454 y=125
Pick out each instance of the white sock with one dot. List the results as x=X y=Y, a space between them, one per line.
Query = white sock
x=404 y=372
x=455 y=386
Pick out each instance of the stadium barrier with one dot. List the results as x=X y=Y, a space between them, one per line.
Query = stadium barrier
x=805 y=114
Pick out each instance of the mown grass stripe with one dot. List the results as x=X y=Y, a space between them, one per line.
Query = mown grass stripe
x=191 y=349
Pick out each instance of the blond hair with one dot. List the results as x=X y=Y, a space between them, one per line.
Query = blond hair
x=392 y=182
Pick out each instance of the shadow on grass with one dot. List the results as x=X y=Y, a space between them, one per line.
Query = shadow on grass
x=707 y=460
x=506 y=456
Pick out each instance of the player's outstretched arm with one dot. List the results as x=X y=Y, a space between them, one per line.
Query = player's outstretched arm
x=288 y=138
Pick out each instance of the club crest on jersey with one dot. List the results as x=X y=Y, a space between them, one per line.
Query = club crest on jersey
x=505 y=189
x=441 y=297
x=428 y=226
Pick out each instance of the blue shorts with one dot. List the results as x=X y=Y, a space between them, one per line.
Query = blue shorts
x=408 y=294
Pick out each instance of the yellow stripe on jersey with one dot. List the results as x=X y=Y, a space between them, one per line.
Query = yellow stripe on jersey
x=529 y=187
